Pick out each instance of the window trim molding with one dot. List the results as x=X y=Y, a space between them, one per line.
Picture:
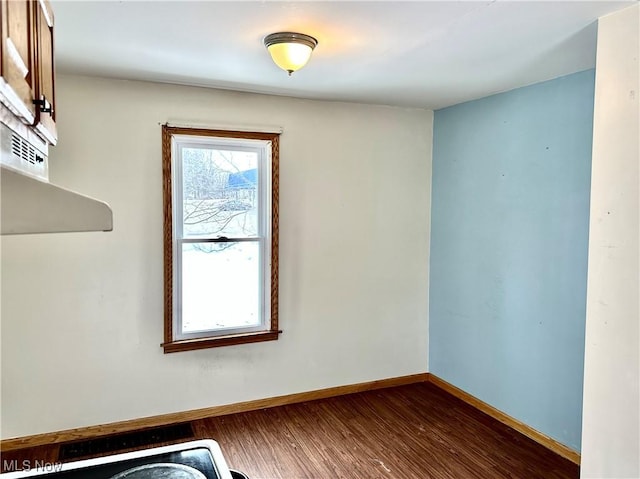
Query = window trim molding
x=170 y=344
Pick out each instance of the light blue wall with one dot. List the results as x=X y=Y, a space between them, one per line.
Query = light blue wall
x=510 y=223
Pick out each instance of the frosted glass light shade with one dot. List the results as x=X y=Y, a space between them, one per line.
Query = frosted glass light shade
x=290 y=51
x=290 y=56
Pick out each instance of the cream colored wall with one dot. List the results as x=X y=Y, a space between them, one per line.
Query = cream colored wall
x=611 y=419
x=82 y=312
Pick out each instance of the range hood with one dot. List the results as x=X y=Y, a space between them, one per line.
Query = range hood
x=30 y=203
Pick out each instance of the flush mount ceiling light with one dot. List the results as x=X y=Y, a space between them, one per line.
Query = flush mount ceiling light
x=289 y=50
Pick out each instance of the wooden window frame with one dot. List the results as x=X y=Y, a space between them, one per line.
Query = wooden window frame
x=171 y=344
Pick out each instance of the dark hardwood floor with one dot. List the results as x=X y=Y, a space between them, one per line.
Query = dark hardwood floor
x=407 y=432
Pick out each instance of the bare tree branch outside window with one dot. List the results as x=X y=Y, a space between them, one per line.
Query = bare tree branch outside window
x=220 y=194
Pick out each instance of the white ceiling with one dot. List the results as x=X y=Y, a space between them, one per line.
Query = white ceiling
x=419 y=54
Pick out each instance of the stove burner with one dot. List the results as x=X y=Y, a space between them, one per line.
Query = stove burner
x=161 y=471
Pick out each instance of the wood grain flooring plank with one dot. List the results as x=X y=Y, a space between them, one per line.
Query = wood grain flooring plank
x=416 y=431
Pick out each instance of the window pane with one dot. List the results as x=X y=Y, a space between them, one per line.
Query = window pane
x=220 y=285
x=220 y=193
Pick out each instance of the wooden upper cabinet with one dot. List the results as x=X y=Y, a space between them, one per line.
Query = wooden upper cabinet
x=18 y=52
x=27 y=86
x=45 y=83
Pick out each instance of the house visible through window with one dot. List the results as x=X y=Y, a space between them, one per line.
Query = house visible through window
x=221 y=237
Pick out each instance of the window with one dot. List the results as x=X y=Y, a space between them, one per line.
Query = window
x=220 y=237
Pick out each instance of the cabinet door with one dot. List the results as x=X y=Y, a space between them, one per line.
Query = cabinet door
x=17 y=84
x=45 y=84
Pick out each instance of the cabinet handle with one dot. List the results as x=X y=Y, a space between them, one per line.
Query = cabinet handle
x=45 y=106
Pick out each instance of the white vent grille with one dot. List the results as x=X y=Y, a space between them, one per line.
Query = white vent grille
x=22 y=149
x=24 y=152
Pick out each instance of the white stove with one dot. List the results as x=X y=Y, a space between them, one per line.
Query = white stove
x=188 y=460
